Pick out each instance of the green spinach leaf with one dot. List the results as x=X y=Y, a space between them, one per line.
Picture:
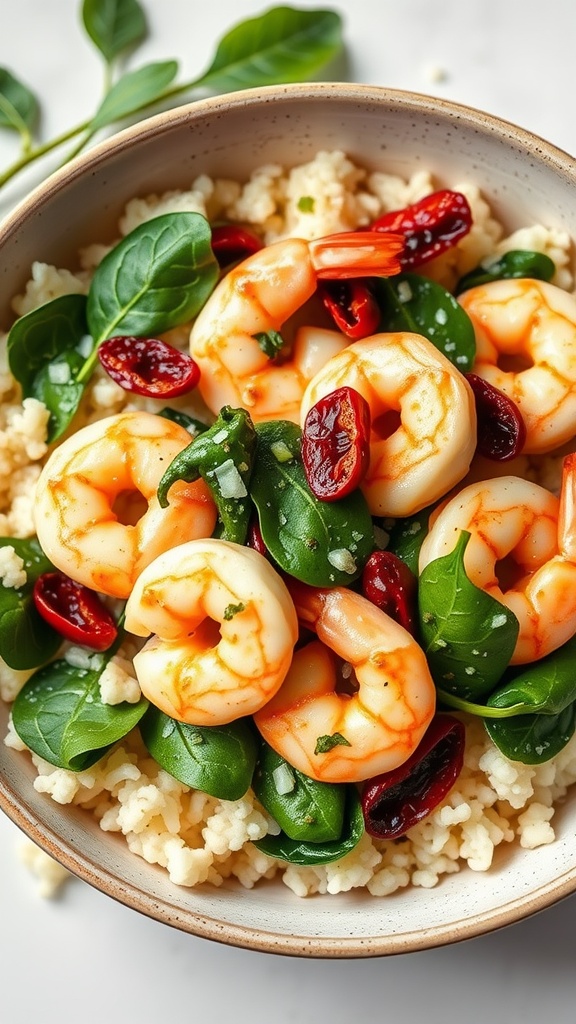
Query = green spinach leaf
x=299 y=851
x=114 y=25
x=26 y=639
x=409 y=302
x=406 y=537
x=309 y=811
x=218 y=759
x=223 y=456
x=467 y=635
x=533 y=739
x=60 y=716
x=516 y=263
x=284 y=44
x=321 y=543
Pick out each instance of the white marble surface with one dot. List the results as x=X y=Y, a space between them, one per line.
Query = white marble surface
x=83 y=956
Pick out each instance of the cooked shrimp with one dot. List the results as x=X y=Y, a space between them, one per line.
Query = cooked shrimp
x=522 y=551
x=225 y=628
x=526 y=346
x=258 y=296
x=348 y=737
x=96 y=513
x=423 y=418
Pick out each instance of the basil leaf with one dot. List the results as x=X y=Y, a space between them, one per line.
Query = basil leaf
x=311 y=811
x=223 y=456
x=409 y=302
x=157 y=277
x=282 y=45
x=18 y=105
x=113 y=25
x=407 y=535
x=136 y=89
x=533 y=739
x=515 y=263
x=60 y=716
x=319 y=542
x=218 y=759
x=26 y=639
x=468 y=637
x=298 y=851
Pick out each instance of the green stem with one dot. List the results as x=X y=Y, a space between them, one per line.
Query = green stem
x=35 y=153
x=481 y=710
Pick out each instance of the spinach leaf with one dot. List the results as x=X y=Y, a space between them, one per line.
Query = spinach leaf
x=409 y=302
x=46 y=349
x=467 y=635
x=282 y=45
x=18 y=105
x=223 y=456
x=26 y=639
x=113 y=25
x=193 y=426
x=407 y=535
x=60 y=716
x=134 y=90
x=533 y=739
x=297 y=851
x=218 y=760
x=516 y=263
x=310 y=811
x=319 y=542
x=546 y=686
x=157 y=277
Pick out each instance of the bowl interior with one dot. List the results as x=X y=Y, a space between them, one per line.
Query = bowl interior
x=527 y=181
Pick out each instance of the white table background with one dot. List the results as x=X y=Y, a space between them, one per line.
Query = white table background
x=84 y=957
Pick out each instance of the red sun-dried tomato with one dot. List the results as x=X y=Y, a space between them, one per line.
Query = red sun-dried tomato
x=148 y=366
x=231 y=243
x=389 y=584
x=501 y=431
x=430 y=226
x=74 y=611
x=352 y=306
x=335 y=444
x=395 y=801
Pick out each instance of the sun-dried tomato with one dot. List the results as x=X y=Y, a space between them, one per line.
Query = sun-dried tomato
x=389 y=584
x=231 y=243
x=148 y=366
x=430 y=226
x=335 y=444
x=352 y=306
x=501 y=431
x=74 y=611
x=395 y=801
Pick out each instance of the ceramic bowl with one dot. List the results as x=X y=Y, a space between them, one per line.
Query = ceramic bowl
x=527 y=180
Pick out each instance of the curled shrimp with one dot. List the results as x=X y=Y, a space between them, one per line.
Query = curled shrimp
x=257 y=297
x=348 y=737
x=522 y=551
x=423 y=416
x=96 y=513
x=526 y=347
x=225 y=628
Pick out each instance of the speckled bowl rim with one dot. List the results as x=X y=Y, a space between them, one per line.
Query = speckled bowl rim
x=20 y=812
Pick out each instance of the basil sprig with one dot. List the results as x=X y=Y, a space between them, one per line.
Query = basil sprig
x=467 y=635
x=218 y=759
x=306 y=810
x=157 y=277
x=223 y=456
x=301 y=851
x=26 y=639
x=410 y=302
x=515 y=263
x=321 y=543
x=60 y=716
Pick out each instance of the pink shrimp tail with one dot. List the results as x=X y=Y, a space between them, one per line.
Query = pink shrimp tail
x=357 y=254
x=567 y=513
